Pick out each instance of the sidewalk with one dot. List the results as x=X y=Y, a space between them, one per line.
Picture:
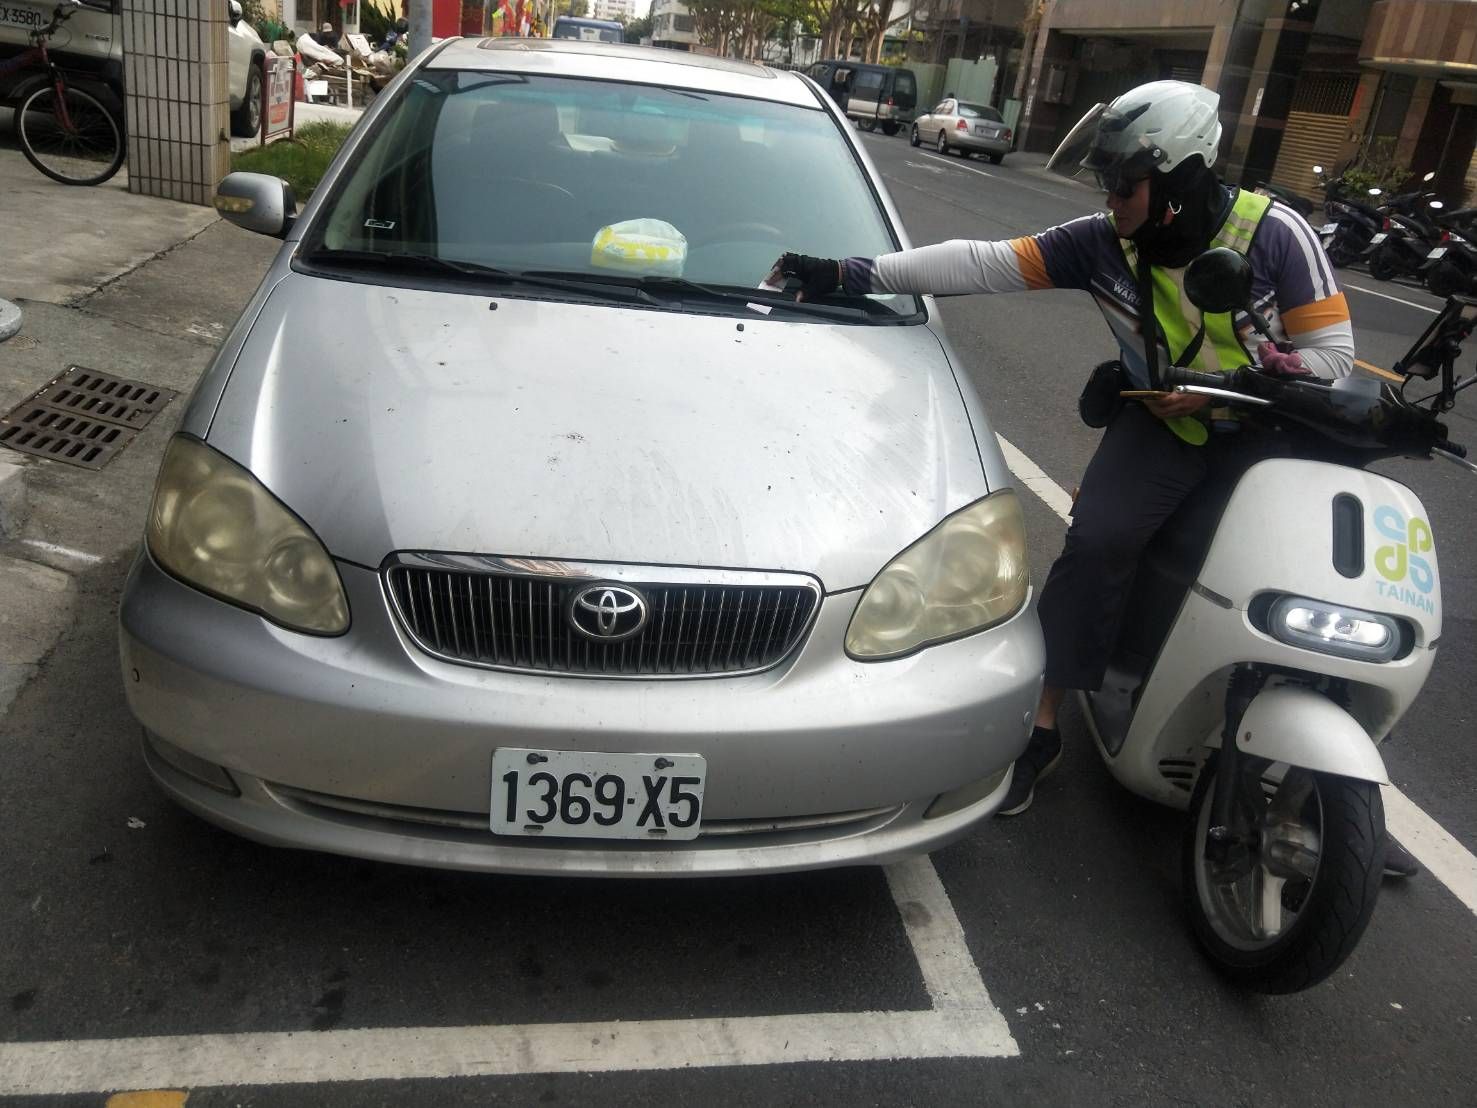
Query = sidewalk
x=133 y=286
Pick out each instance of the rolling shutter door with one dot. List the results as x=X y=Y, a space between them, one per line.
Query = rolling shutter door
x=1315 y=131
x=1309 y=140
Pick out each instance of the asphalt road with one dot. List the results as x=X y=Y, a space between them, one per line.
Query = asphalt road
x=164 y=926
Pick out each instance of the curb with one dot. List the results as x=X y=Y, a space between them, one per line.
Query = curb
x=10 y=319
x=12 y=498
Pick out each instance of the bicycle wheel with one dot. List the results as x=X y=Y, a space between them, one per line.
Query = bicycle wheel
x=81 y=145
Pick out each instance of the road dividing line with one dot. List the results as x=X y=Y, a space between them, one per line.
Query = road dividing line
x=63 y=551
x=1448 y=860
x=963 y=1023
x=1387 y=296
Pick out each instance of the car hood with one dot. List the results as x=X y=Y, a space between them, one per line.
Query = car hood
x=404 y=419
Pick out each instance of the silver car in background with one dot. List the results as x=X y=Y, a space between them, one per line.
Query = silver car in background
x=514 y=529
x=964 y=128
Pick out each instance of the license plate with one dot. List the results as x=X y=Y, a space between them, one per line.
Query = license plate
x=986 y=132
x=1439 y=252
x=1379 y=238
x=1329 y=228
x=19 y=15
x=575 y=794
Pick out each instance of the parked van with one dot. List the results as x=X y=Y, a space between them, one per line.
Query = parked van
x=873 y=95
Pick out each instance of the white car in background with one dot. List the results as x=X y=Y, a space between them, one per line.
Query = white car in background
x=91 y=46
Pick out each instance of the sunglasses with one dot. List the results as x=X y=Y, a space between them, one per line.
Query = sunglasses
x=1121 y=187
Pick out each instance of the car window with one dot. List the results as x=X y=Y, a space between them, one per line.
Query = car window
x=979 y=111
x=869 y=79
x=904 y=87
x=533 y=172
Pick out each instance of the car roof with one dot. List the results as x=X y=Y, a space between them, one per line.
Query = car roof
x=607 y=61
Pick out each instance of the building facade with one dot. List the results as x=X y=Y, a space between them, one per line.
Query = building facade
x=1302 y=82
x=672 y=25
x=620 y=11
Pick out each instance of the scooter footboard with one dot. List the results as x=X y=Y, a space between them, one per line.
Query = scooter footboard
x=1304 y=728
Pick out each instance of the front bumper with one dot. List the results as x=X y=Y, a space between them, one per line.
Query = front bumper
x=364 y=745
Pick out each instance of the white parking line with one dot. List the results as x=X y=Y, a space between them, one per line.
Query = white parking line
x=1448 y=860
x=1387 y=296
x=962 y=1023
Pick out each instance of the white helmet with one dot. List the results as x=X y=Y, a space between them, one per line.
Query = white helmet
x=1151 y=128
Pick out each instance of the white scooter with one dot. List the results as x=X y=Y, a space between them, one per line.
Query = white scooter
x=1279 y=627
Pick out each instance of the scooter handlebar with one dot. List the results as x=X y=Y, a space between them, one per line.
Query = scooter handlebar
x=1175 y=375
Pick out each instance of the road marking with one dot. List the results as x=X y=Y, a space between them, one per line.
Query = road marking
x=1387 y=296
x=957 y=164
x=63 y=551
x=1448 y=860
x=962 y=1023
x=154 y=1098
x=1385 y=373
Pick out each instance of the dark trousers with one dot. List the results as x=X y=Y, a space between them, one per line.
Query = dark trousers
x=1141 y=473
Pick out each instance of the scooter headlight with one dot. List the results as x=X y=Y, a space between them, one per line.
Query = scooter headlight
x=1334 y=629
x=216 y=527
x=967 y=574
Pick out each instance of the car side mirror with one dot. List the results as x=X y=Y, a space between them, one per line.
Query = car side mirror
x=1219 y=280
x=257 y=202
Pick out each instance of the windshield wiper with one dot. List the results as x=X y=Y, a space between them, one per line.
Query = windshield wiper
x=682 y=288
x=411 y=262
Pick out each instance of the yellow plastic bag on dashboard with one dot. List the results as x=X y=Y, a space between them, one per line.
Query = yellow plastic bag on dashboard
x=645 y=246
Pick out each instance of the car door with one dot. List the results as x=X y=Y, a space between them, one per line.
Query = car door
x=941 y=118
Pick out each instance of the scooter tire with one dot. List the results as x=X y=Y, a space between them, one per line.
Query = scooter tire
x=1338 y=903
x=1381 y=266
x=1445 y=280
x=1340 y=255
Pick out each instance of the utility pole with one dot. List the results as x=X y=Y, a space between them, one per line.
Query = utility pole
x=420 y=29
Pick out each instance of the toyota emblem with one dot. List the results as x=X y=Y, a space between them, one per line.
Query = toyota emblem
x=607 y=613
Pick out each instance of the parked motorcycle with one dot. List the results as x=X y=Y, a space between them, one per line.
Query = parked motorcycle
x=1279 y=626
x=1451 y=266
x=1352 y=221
x=1408 y=235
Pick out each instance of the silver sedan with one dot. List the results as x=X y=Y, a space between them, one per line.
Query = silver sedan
x=514 y=529
x=964 y=128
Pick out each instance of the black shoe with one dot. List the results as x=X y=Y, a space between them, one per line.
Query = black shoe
x=1398 y=860
x=1040 y=757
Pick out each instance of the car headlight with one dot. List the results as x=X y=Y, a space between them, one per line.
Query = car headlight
x=967 y=574
x=1334 y=629
x=216 y=527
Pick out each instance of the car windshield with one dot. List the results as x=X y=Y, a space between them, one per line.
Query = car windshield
x=555 y=175
x=979 y=111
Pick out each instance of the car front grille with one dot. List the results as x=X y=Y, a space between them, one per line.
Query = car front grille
x=512 y=614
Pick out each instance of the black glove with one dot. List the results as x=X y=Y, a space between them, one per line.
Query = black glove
x=818 y=276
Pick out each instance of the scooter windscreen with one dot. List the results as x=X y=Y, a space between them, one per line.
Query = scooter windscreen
x=1102 y=142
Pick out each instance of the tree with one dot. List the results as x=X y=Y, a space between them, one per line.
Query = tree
x=638 y=29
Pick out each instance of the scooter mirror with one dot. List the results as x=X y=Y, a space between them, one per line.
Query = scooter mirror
x=1318 y=169
x=1376 y=192
x=1429 y=176
x=1219 y=281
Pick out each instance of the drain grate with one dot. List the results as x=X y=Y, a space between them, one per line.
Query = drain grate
x=83 y=417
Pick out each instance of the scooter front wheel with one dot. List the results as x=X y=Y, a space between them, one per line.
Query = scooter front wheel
x=1286 y=901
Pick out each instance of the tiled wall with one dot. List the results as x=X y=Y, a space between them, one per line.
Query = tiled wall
x=174 y=56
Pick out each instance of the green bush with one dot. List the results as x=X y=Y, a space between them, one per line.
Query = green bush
x=1375 y=167
x=301 y=160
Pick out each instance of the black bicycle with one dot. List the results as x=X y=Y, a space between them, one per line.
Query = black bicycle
x=66 y=132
